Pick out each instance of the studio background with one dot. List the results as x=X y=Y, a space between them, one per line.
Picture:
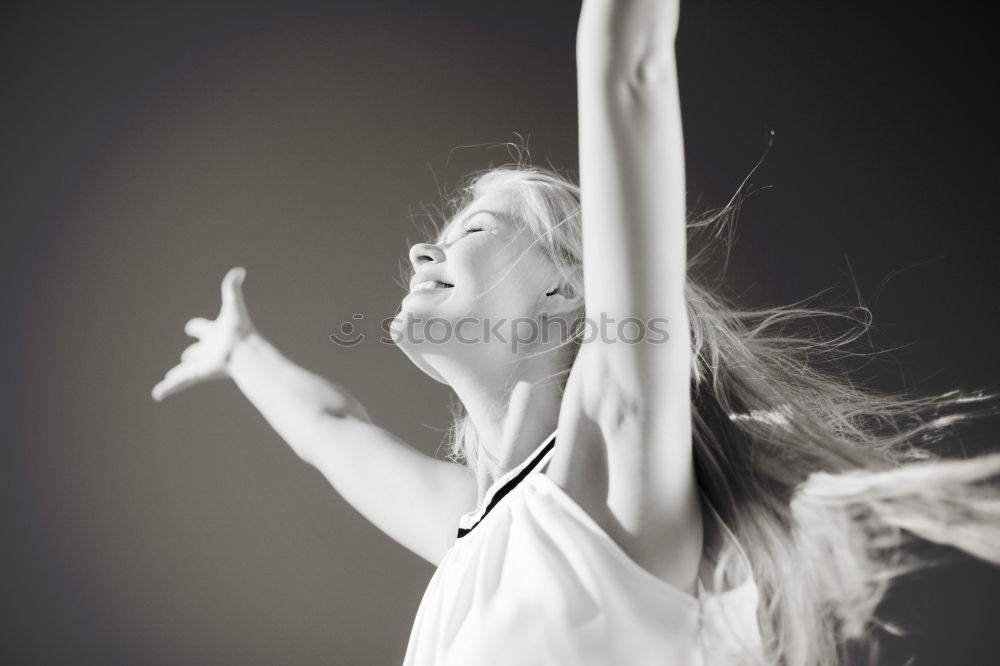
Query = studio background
x=149 y=147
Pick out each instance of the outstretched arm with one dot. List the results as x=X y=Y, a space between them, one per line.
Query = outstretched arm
x=635 y=397
x=414 y=498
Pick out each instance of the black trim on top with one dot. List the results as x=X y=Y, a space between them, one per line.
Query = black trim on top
x=509 y=486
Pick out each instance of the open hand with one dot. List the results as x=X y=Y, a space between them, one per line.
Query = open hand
x=208 y=357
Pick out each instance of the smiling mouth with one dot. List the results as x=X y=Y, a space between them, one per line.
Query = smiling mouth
x=429 y=285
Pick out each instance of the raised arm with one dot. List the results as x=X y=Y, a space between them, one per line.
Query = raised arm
x=633 y=186
x=628 y=403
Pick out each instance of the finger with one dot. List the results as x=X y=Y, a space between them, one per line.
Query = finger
x=197 y=327
x=232 y=288
x=177 y=379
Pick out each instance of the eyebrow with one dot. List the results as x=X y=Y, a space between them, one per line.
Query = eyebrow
x=477 y=212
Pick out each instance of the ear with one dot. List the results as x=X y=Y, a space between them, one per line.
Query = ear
x=560 y=300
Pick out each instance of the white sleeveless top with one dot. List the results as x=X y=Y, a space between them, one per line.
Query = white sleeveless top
x=532 y=580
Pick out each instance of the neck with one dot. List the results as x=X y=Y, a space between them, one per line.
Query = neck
x=513 y=412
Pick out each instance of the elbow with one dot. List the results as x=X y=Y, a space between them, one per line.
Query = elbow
x=630 y=44
x=650 y=70
x=631 y=70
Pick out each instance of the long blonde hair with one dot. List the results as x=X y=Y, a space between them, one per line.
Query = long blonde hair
x=823 y=482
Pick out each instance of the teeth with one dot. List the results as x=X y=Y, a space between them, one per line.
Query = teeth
x=430 y=284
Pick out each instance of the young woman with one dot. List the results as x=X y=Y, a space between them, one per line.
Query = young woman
x=651 y=476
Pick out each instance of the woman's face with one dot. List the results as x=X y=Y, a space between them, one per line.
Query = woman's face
x=493 y=266
x=472 y=288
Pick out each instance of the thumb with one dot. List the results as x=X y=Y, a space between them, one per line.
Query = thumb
x=232 y=289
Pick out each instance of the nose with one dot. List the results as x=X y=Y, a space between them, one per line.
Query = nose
x=422 y=253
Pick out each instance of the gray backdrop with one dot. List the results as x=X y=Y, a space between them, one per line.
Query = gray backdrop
x=148 y=148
